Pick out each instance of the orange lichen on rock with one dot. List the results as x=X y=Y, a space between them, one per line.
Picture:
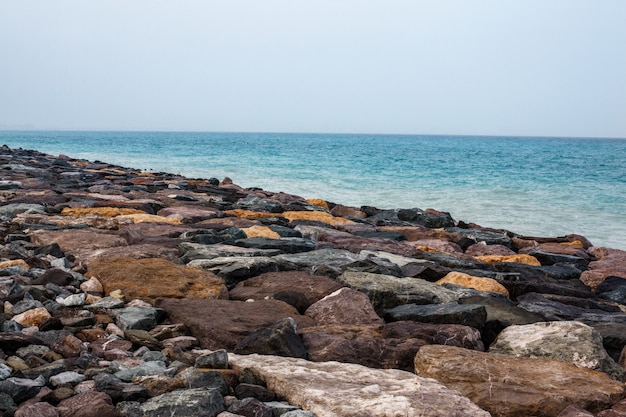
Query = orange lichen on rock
x=318 y=216
x=149 y=218
x=519 y=258
x=477 y=283
x=100 y=211
x=261 y=231
x=249 y=214
x=318 y=202
x=15 y=262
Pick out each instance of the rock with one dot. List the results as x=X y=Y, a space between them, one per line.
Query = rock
x=482 y=249
x=473 y=236
x=284 y=245
x=385 y=291
x=118 y=390
x=610 y=262
x=66 y=378
x=38 y=409
x=186 y=214
x=553 y=258
x=213 y=360
x=279 y=339
x=313 y=287
x=188 y=402
x=87 y=404
x=222 y=324
x=509 y=386
x=341 y=389
x=477 y=283
x=255 y=391
x=501 y=313
x=518 y=258
x=573 y=411
x=250 y=407
x=158 y=384
x=21 y=389
x=79 y=242
x=569 y=341
x=159 y=278
x=344 y=306
x=149 y=368
x=472 y=315
x=318 y=260
x=234 y=269
x=437 y=245
x=32 y=317
x=138 y=318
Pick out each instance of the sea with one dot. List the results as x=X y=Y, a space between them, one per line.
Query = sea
x=533 y=186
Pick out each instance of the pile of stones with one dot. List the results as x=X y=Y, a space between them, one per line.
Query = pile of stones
x=130 y=293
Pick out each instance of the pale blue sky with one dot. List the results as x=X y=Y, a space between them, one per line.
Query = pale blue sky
x=484 y=67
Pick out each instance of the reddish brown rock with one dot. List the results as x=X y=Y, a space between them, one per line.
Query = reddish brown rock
x=344 y=306
x=560 y=249
x=38 y=409
x=222 y=324
x=87 y=404
x=437 y=245
x=149 y=279
x=78 y=242
x=355 y=244
x=413 y=233
x=609 y=262
x=481 y=249
x=346 y=211
x=313 y=287
x=507 y=386
x=187 y=214
x=517 y=258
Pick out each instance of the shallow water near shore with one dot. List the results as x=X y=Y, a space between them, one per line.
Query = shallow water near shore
x=531 y=186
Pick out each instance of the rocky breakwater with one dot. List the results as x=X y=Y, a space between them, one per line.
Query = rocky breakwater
x=128 y=293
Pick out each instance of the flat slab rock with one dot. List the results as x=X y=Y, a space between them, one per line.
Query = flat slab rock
x=334 y=389
x=508 y=386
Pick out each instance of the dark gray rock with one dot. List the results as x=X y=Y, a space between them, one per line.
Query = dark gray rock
x=472 y=315
x=250 y=407
x=284 y=245
x=194 y=378
x=279 y=339
x=138 y=318
x=119 y=390
x=193 y=402
x=259 y=392
x=213 y=360
x=21 y=389
x=546 y=258
x=333 y=260
x=473 y=236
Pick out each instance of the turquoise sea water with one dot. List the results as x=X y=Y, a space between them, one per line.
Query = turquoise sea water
x=532 y=186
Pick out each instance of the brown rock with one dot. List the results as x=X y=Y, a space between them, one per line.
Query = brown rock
x=313 y=287
x=414 y=233
x=560 y=249
x=87 y=404
x=149 y=279
x=609 y=262
x=222 y=324
x=32 y=317
x=573 y=411
x=346 y=211
x=437 y=245
x=150 y=218
x=15 y=262
x=69 y=347
x=226 y=222
x=159 y=384
x=344 y=306
x=38 y=409
x=508 y=386
x=78 y=242
x=317 y=216
x=187 y=214
x=318 y=202
x=100 y=211
x=356 y=244
x=482 y=249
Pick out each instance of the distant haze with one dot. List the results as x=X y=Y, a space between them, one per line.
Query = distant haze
x=479 y=67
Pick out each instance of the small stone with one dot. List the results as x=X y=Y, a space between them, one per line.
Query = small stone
x=213 y=360
x=66 y=378
x=32 y=317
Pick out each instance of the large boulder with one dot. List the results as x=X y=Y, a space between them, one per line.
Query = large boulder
x=349 y=390
x=386 y=291
x=344 y=306
x=149 y=279
x=507 y=386
x=473 y=315
x=222 y=324
x=610 y=262
x=570 y=341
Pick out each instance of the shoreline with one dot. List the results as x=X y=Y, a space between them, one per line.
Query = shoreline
x=141 y=288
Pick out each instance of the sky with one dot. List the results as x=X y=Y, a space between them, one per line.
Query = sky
x=479 y=67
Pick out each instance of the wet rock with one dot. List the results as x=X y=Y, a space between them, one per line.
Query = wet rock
x=342 y=389
x=158 y=278
x=508 y=386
